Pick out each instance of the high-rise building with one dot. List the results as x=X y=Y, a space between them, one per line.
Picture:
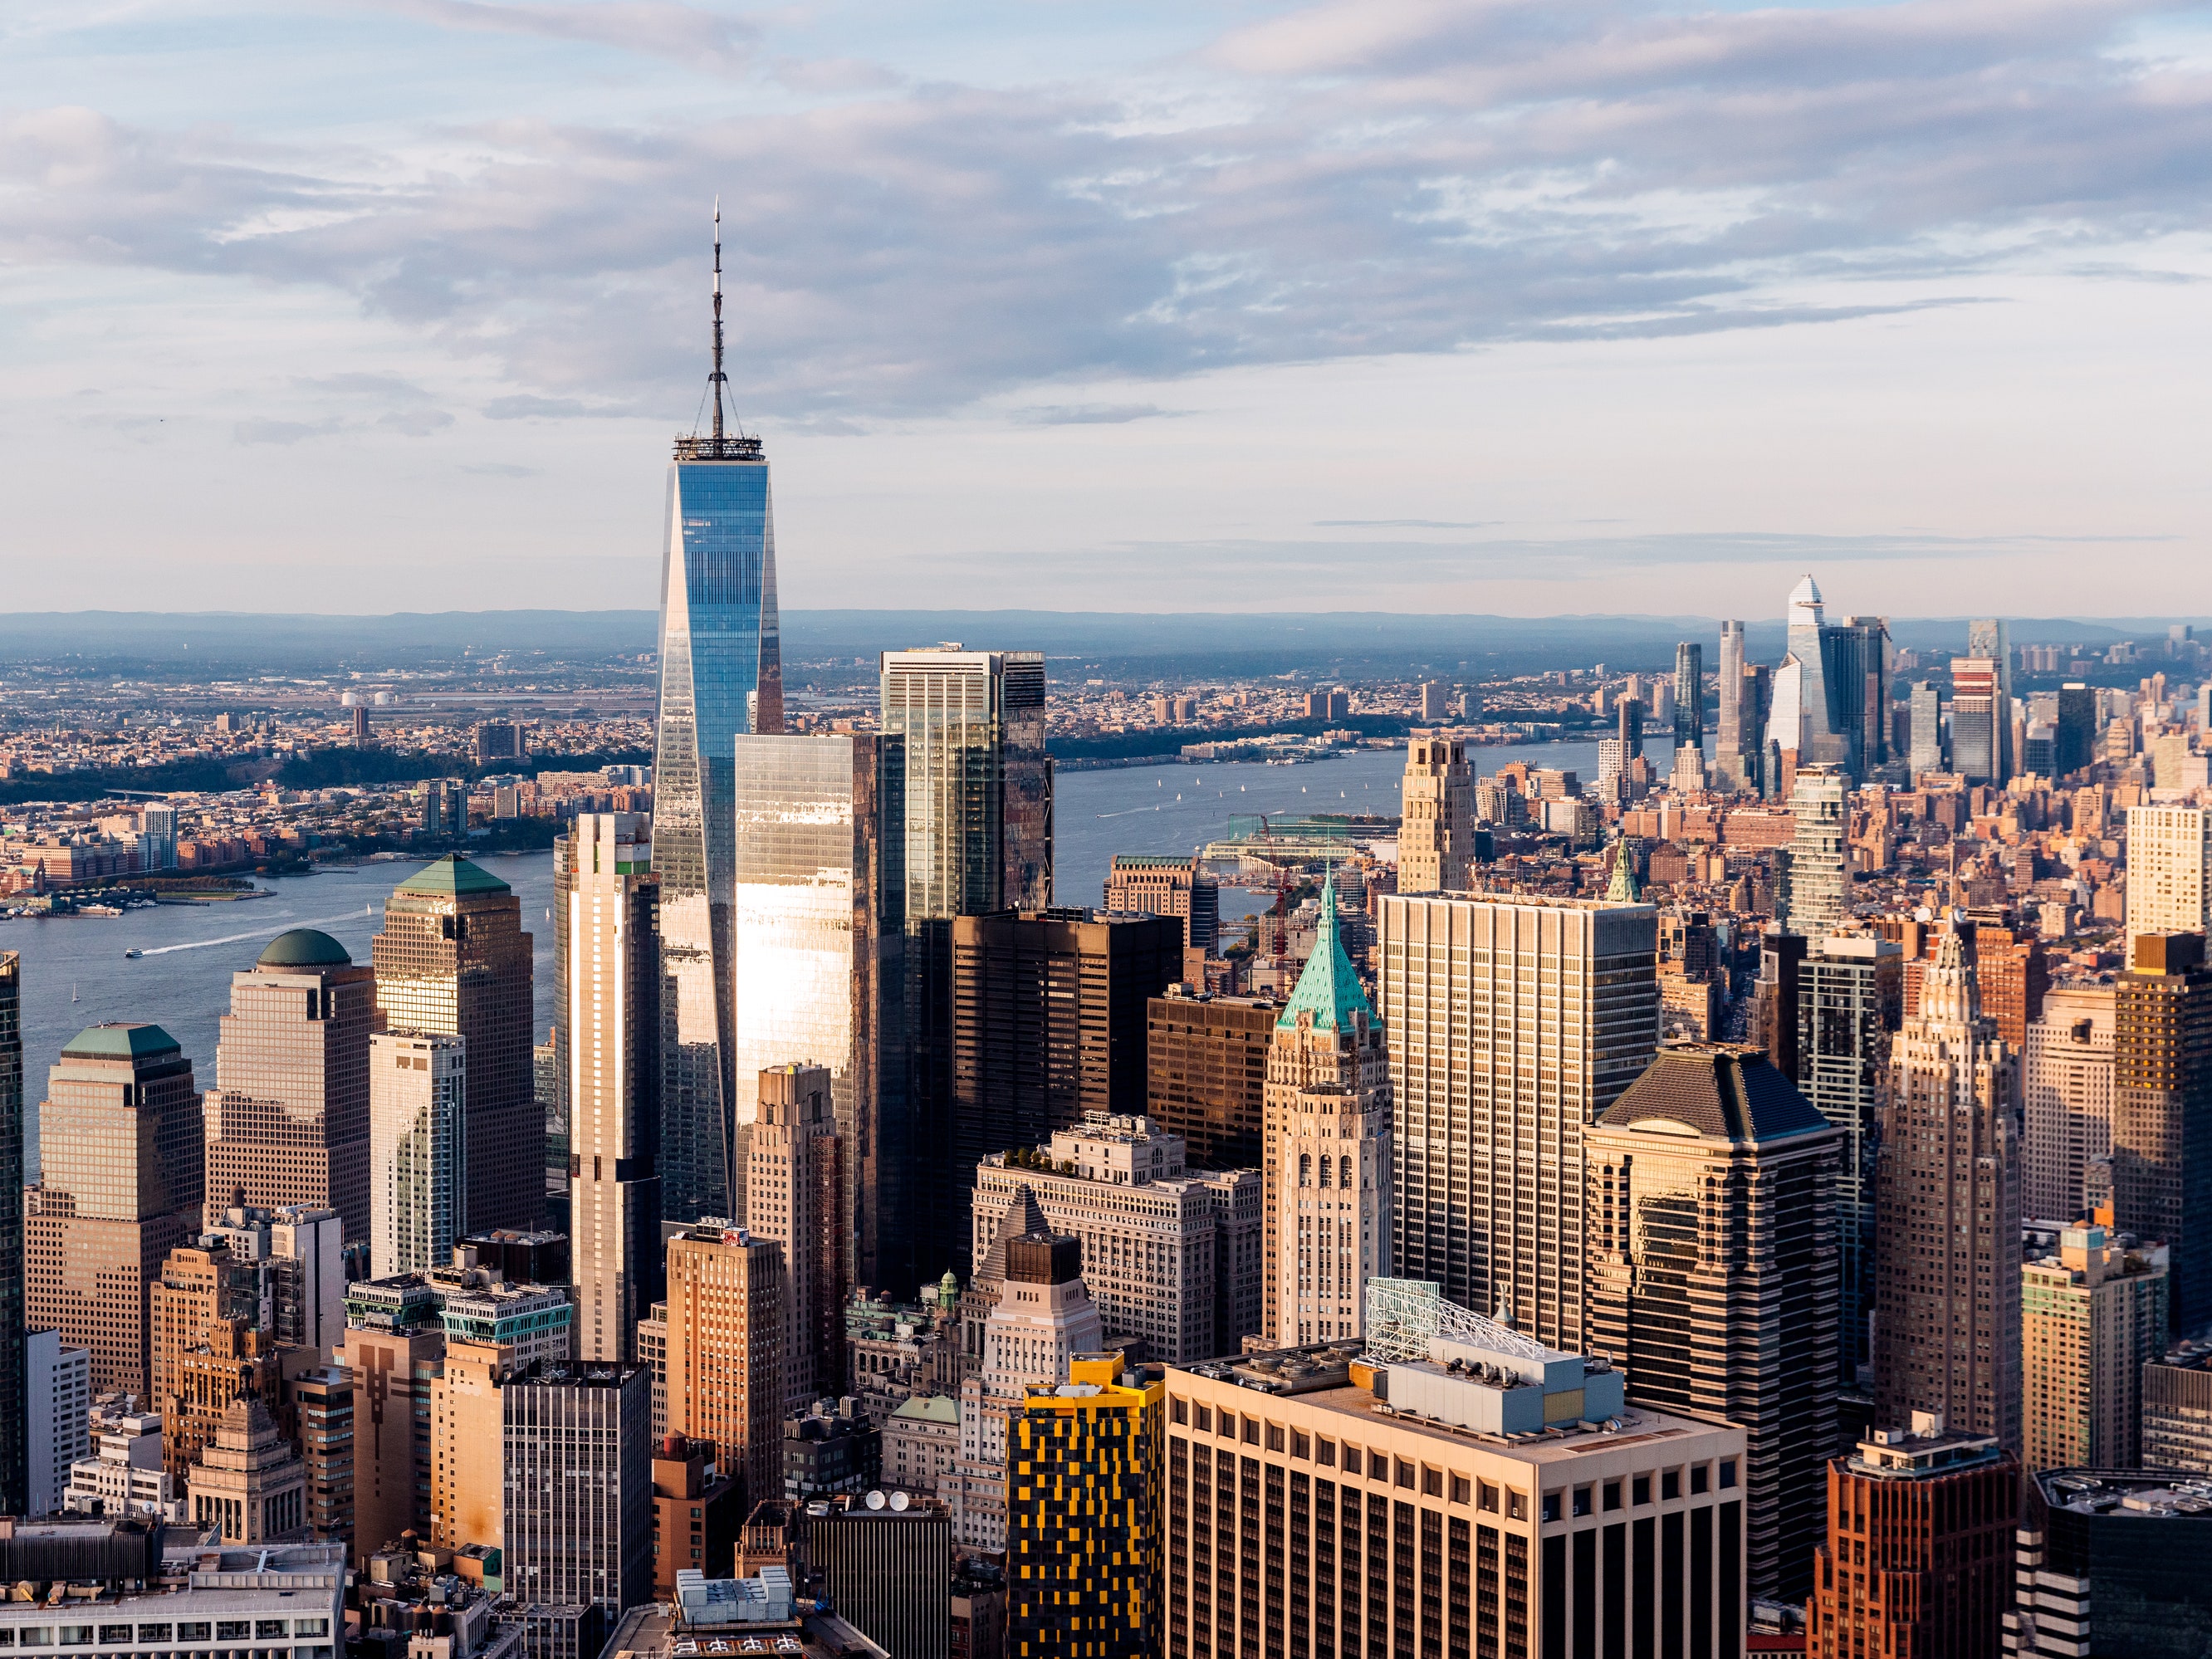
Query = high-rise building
x=1977 y=715
x=1816 y=705
x=1328 y=1161
x=1714 y=1275
x=1866 y=656
x=577 y=1506
x=2092 y=1316
x=467 y=1443
x=978 y=838
x=608 y=916
x=2066 y=1083
x=1206 y=1073
x=1628 y=729
x=1849 y=1004
x=818 y=936
x=417 y=1150
x=2111 y=1561
x=885 y=1571
x=2162 y=1112
x=2077 y=726
x=495 y=742
x=288 y=1119
x=1436 y=834
x=1917 y=1560
x=1086 y=1569
x=1689 y=693
x=1947 y=1264
x=726 y=1293
x=1729 y=744
x=795 y=1195
x=1926 y=706
x=1818 y=893
x=14 y=1409
x=118 y=1186
x=1155 y=886
x=453 y=957
x=57 y=1391
x=322 y=1402
x=2177 y=1409
x=1048 y=1023
x=1457 y=1522
x=695 y=1520
x=392 y=1364
x=1511 y=1022
x=297 y=1258
x=1988 y=641
x=2169 y=870
x=251 y=1487
x=722 y=677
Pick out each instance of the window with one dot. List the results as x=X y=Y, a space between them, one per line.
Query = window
x=153 y=1632
x=1486 y=1497
x=193 y=1632
x=115 y=1633
x=1301 y=1446
x=1251 y=1430
x=267 y=1627
x=234 y=1630
x=1462 y=1489
x=1640 y=1490
x=1432 y=1482
x=38 y=1636
x=1405 y=1474
x=1179 y=1411
x=1550 y=1506
x=1274 y=1437
x=1206 y=1420
x=1516 y=1504
x=1351 y=1460
x=7 y=1635
x=1583 y=1495
x=1728 y=1472
x=1700 y=1476
x=1325 y=1453
x=1611 y=1495
x=1670 y=1483
x=73 y=1636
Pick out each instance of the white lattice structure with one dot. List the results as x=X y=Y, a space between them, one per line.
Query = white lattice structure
x=1403 y=1314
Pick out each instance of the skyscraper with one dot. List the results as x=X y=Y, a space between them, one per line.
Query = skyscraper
x=1327 y=1163
x=453 y=957
x=2077 y=726
x=14 y=1409
x=1815 y=701
x=578 y=1505
x=1713 y=1275
x=1819 y=892
x=1946 y=1324
x=1729 y=743
x=1927 y=706
x=726 y=1332
x=1989 y=640
x=119 y=1185
x=1206 y=1073
x=1161 y=886
x=1511 y=1022
x=2066 y=1078
x=1436 y=834
x=1689 y=693
x=795 y=1195
x=722 y=677
x=418 y=1151
x=1978 y=721
x=2169 y=870
x=817 y=931
x=2093 y=1316
x=2162 y=1112
x=978 y=838
x=607 y=915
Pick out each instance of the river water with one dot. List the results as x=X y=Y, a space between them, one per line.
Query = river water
x=75 y=974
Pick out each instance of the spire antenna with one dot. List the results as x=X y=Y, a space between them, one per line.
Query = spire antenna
x=717 y=378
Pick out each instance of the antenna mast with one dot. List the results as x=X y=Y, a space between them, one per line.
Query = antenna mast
x=717 y=377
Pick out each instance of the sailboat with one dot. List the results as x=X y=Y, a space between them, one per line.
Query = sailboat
x=73 y=996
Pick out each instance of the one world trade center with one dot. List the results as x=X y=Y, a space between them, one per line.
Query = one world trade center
x=721 y=677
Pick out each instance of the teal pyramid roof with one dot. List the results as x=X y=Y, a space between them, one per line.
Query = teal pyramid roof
x=1328 y=990
x=120 y=1041
x=453 y=874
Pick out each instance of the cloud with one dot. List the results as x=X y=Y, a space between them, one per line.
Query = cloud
x=1090 y=414
x=501 y=470
x=661 y=28
x=282 y=431
x=1403 y=524
x=523 y=406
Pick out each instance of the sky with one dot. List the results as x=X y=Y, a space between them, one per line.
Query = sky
x=1519 y=307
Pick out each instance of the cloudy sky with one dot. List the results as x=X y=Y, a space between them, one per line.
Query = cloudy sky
x=1519 y=306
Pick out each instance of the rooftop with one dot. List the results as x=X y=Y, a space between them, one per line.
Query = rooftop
x=120 y=1041
x=2135 y=1494
x=1327 y=989
x=452 y=876
x=303 y=947
x=1717 y=1090
x=1924 y=1451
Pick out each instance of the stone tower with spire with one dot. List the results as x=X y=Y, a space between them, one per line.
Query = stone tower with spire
x=1327 y=1142
x=1947 y=1224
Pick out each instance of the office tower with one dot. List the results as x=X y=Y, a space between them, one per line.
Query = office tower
x=2092 y=1316
x=1336 y=1529
x=817 y=929
x=1169 y=887
x=1511 y=1022
x=453 y=957
x=2014 y=976
x=2162 y=1112
x=1849 y=1004
x=1977 y=714
x=1048 y=1023
x=578 y=1501
x=1206 y=1073
x=292 y=1260
x=1436 y=834
x=1084 y=1565
x=119 y=1184
x=1927 y=716
x=467 y=1481
x=653 y=1354
x=2169 y=870
x=157 y=837
x=1864 y=650
x=1714 y=1279
x=322 y=1403
x=2077 y=727
x=611 y=1019
x=1729 y=739
x=885 y=1571
x=417 y=1150
x=796 y=1196
x=2111 y=1561
x=1628 y=730
x=15 y=1448
x=392 y=1365
x=1987 y=640
x=2177 y=1410
x=288 y=1119
x=1819 y=887
x=1689 y=693
x=1328 y=1159
x=1170 y=1252
x=56 y=1388
x=1946 y=1321
x=2066 y=1082
x=1815 y=704
x=726 y=1292
x=696 y=1521
x=722 y=677
x=1917 y=1560
x=251 y=1487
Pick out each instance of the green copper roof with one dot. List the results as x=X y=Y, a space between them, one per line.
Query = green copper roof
x=454 y=875
x=304 y=947
x=1622 y=889
x=1328 y=990
x=118 y=1042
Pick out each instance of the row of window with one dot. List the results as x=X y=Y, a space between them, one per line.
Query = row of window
x=219 y=1630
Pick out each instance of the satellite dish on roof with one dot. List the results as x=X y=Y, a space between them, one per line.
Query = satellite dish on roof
x=875 y=1500
x=899 y=1501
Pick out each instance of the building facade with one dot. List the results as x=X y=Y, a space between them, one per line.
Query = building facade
x=1436 y=831
x=14 y=1409
x=1817 y=893
x=1689 y=695
x=1511 y=1022
x=2169 y=870
x=57 y=1388
x=1206 y=1073
x=725 y=1335
x=2162 y=1112
x=2110 y=1561
x=417 y=1150
x=2066 y=1080
x=1147 y=884
x=578 y=1498
x=795 y=1182
x=2093 y=1316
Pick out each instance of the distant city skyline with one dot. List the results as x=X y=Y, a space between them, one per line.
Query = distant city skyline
x=1356 y=306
